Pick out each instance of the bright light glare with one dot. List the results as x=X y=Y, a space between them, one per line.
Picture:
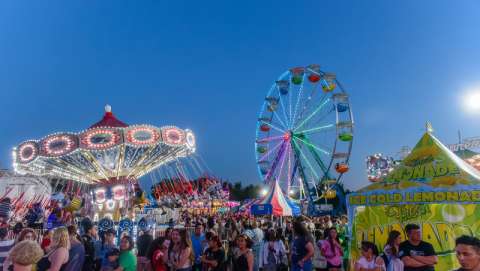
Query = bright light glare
x=291 y=192
x=264 y=192
x=472 y=101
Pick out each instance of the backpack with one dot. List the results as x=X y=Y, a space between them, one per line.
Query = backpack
x=319 y=260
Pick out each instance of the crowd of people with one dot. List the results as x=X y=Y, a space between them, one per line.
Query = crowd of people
x=415 y=254
x=223 y=243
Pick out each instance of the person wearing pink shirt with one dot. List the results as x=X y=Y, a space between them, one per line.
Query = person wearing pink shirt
x=332 y=250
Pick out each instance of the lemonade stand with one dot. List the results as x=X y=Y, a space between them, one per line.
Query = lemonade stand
x=431 y=187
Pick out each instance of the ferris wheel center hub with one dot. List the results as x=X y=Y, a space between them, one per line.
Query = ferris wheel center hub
x=287 y=135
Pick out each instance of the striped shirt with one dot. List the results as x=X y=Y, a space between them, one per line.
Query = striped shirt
x=5 y=247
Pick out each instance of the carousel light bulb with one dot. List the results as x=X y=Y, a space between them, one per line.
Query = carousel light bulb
x=264 y=192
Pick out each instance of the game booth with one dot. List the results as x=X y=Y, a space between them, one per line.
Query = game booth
x=431 y=187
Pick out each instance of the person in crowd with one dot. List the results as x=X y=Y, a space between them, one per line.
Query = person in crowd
x=112 y=260
x=27 y=234
x=328 y=221
x=232 y=234
x=25 y=254
x=143 y=243
x=318 y=224
x=97 y=245
x=5 y=245
x=168 y=233
x=332 y=250
x=243 y=256
x=415 y=253
x=220 y=229
x=17 y=228
x=256 y=235
x=273 y=252
x=46 y=240
x=289 y=232
x=57 y=257
x=342 y=225
x=127 y=260
x=280 y=236
x=369 y=261
x=76 y=254
x=88 y=240
x=188 y=222
x=198 y=244
x=158 y=254
x=232 y=231
x=302 y=248
x=342 y=229
x=467 y=249
x=180 y=256
x=214 y=257
x=108 y=244
x=390 y=254
x=310 y=225
x=208 y=235
x=211 y=223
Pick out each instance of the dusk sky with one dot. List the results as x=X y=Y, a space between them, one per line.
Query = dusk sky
x=207 y=66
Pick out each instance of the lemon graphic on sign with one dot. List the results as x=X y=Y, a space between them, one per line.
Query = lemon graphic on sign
x=453 y=213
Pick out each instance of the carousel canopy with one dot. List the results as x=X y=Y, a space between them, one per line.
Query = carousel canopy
x=281 y=205
x=108 y=151
x=430 y=164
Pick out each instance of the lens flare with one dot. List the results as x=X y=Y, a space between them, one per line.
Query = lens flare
x=472 y=101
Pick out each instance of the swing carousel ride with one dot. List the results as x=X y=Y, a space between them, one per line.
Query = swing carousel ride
x=103 y=163
x=304 y=134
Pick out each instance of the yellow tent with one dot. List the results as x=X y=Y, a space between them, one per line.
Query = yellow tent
x=433 y=188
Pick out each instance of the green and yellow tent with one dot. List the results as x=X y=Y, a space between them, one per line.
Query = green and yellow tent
x=432 y=187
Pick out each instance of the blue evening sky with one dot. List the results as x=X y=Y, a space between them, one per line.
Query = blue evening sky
x=207 y=65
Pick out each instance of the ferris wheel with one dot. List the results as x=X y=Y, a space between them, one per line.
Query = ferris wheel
x=304 y=132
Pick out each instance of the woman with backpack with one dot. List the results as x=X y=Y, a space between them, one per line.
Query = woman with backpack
x=273 y=254
x=391 y=250
x=370 y=260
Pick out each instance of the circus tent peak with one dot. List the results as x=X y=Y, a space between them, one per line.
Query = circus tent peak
x=109 y=120
x=281 y=205
x=430 y=164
